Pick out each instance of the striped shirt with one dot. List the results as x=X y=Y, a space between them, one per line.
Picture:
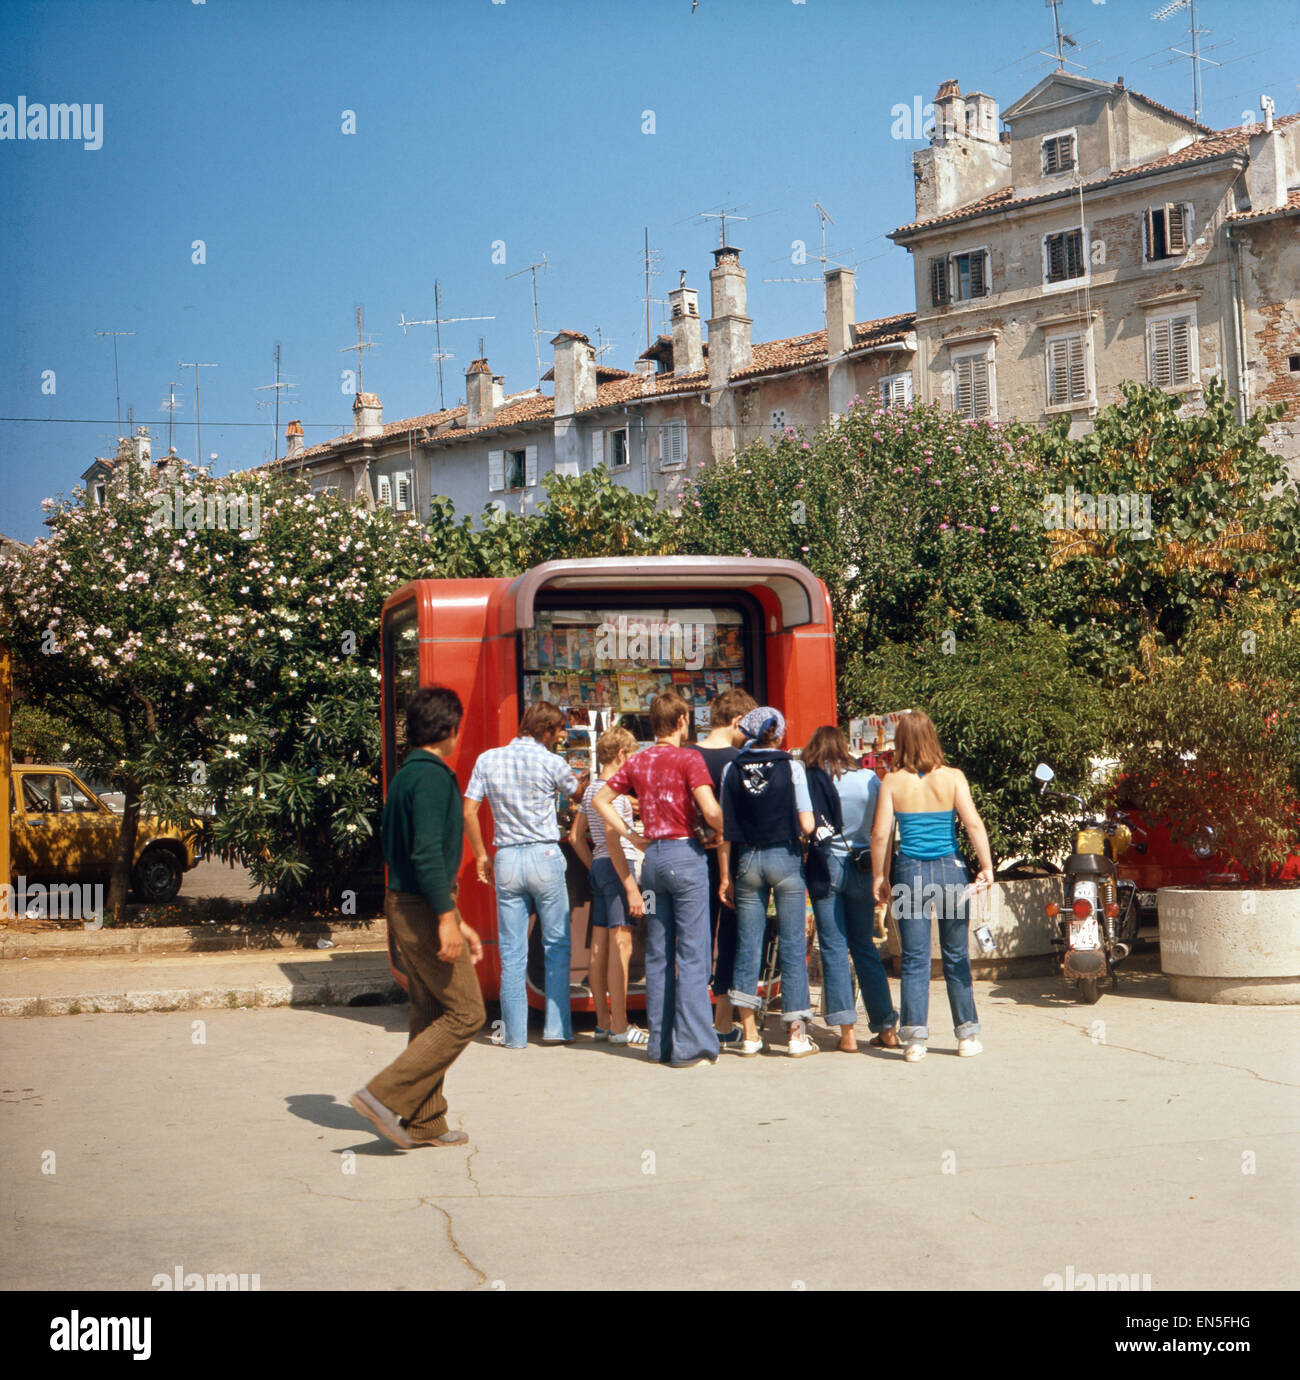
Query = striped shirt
x=596 y=824
x=520 y=782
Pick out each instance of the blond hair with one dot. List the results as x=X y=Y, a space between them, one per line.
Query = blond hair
x=611 y=743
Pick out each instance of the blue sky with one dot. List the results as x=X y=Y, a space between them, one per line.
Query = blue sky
x=475 y=122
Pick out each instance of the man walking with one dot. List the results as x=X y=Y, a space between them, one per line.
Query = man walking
x=520 y=782
x=423 y=837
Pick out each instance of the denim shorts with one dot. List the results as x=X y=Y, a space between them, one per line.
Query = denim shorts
x=608 y=898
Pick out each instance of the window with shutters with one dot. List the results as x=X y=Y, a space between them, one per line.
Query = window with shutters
x=496 y=471
x=1171 y=352
x=514 y=469
x=973 y=386
x=970 y=275
x=404 y=491
x=939 y=295
x=597 y=447
x=1067 y=370
x=616 y=450
x=1059 y=154
x=1063 y=256
x=896 y=390
x=1166 y=231
x=385 y=490
x=672 y=446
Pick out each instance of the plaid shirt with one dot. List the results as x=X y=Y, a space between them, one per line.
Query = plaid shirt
x=520 y=782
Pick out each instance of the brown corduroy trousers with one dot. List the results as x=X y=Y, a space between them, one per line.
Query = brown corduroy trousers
x=446 y=1013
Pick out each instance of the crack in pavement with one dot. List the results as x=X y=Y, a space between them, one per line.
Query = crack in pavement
x=1166 y=1058
x=454 y=1244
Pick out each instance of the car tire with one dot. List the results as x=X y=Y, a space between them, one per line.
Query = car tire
x=158 y=874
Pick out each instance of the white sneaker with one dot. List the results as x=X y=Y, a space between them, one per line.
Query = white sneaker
x=800 y=1046
x=914 y=1053
x=969 y=1048
x=745 y=1048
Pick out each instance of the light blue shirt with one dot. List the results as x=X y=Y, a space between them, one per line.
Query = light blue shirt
x=858 y=791
x=520 y=782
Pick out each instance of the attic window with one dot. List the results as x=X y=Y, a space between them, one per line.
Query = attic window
x=1166 y=231
x=1058 y=154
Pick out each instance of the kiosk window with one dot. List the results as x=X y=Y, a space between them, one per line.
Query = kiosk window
x=603 y=666
x=401 y=680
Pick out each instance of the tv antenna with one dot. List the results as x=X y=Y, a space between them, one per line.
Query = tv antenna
x=198 y=415
x=651 y=260
x=275 y=390
x=826 y=219
x=1197 y=54
x=438 y=321
x=170 y=407
x=360 y=347
x=603 y=345
x=117 y=381
x=542 y=266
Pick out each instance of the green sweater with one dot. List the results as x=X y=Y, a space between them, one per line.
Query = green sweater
x=424 y=829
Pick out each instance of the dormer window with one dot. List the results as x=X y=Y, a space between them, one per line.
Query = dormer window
x=1059 y=154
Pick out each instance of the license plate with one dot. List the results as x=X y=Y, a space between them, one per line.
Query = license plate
x=1084 y=935
x=1147 y=900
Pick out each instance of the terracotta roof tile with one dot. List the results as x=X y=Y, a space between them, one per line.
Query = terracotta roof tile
x=1217 y=145
x=1292 y=204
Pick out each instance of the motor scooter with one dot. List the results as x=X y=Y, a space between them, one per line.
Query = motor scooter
x=1097 y=927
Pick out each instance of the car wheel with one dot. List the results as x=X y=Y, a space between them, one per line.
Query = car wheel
x=158 y=874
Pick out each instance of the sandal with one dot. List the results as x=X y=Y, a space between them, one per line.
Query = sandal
x=886 y=1039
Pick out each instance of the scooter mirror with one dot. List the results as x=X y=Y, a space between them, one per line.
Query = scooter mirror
x=1042 y=772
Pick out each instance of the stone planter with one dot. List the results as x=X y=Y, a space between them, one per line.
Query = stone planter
x=1237 y=947
x=1015 y=917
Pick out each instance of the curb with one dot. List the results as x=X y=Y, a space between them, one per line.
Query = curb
x=181 y=939
x=378 y=989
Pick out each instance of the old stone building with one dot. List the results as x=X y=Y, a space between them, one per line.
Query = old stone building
x=1102 y=237
x=689 y=400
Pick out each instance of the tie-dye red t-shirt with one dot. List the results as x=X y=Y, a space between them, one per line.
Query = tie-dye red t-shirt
x=664 y=780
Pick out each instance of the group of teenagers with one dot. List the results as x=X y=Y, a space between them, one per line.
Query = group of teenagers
x=719 y=830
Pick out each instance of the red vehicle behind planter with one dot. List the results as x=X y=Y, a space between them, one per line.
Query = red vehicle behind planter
x=599 y=638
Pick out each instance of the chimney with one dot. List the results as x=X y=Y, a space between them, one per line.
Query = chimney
x=688 y=349
x=967 y=157
x=982 y=117
x=575 y=373
x=293 y=442
x=480 y=405
x=729 y=344
x=839 y=311
x=367 y=416
x=1266 y=174
x=498 y=390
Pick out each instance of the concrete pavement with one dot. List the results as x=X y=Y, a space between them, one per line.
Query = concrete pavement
x=1138 y=1137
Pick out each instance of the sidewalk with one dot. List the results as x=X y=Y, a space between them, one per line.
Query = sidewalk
x=192 y=982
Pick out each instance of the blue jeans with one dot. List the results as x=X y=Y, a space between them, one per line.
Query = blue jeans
x=917 y=885
x=846 y=925
x=762 y=872
x=677 y=958
x=531 y=877
x=608 y=897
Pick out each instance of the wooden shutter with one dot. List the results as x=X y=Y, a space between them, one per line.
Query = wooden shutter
x=1149 y=232
x=597 y=447
x=896 y=390
x=1159 y=348
x=1180 y=350
x=939 y=282
x=530 y=466
x=496 y=470
x=403 y=485
x=1074 y=254
x=978 y=279
x=980 y=388
x=961 y=391
x=385 y=491
x=1055 y=258
x=1058 y=368
x=1078 y=368
x=1175 y=227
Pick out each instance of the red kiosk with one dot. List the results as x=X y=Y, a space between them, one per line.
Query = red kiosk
x=600 y=638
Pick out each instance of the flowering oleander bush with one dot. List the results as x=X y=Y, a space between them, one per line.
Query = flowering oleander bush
x=219 y=668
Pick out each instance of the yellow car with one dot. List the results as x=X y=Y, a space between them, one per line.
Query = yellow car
x=63 y=832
